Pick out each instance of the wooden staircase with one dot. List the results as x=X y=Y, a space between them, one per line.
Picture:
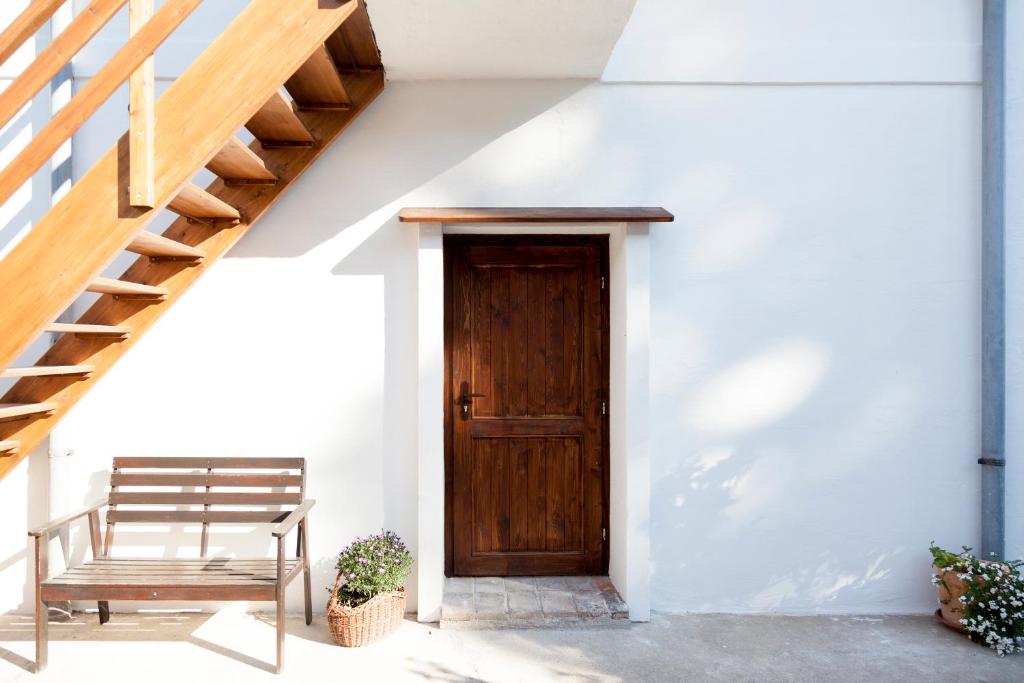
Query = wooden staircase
x=324 y=55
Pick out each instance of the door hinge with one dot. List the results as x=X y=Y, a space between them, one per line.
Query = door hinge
x=602 y=282
x=604 y=407
x=604 y=534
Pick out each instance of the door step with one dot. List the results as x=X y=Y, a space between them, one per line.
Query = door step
x=492 y=603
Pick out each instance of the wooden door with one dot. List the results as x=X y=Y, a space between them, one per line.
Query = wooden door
x=526 y=393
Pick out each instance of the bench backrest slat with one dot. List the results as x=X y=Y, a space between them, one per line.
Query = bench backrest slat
x=186 y=491
x=197 y=516
x=215 y=463
x=201 y=498
x=229 y=480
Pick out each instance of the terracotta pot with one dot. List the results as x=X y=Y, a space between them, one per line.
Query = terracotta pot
x=951 y=588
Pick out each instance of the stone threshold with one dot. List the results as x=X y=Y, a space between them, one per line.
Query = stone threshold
x=496 y=603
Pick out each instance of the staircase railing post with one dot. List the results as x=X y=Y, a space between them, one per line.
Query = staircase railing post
x=141 y=109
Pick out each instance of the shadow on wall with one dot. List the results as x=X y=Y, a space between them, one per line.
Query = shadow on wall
x=412 y=134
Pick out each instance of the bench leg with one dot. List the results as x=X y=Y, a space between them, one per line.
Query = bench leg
x=104 y=608
x=42 y=613
x=281 y=585
x=304 y=539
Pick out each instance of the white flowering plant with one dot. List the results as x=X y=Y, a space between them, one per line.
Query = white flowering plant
x=993 y=604
x=370 y=566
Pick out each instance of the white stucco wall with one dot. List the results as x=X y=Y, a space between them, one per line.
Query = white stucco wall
x=814 y=314
x=1015 y=281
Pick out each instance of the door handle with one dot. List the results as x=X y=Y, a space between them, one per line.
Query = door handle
x=466 y=397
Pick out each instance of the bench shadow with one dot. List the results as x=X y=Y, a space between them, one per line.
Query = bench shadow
x=232 y=654
x=122 y=627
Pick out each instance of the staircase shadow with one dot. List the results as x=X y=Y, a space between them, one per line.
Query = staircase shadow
x=412 y=134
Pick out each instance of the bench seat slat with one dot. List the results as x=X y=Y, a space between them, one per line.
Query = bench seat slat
x=216 y=498
x=235 y=480
x=215 y=463
x=253 y=590
x=197 y=516
x=169 y=579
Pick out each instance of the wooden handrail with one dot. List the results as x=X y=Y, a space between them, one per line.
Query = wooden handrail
x=51 y=60
x=26 y=24
x=99 y=88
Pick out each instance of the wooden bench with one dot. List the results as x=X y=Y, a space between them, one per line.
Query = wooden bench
x=185 y=491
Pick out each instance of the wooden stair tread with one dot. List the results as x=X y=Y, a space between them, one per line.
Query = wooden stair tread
x=239 y=165
x=198 y=204
x=97 y=330
x=157 y=246
x=8 y=447
x=318 y=85
x=47 y=371
x=105 y=285
x=13 y=411
x=277 y=125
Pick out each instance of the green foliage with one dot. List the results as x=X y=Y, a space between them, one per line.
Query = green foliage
x=993 y=606
x=369 y=566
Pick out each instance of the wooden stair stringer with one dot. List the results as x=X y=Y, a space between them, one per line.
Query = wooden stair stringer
x=254 y=201
x=218 y=93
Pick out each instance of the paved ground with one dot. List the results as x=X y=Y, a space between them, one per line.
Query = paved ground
x=232 y=646
x=526 y=602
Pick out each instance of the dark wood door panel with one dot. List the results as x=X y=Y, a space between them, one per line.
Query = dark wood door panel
x=526 y=324
x=526 y=381
x=527 y=495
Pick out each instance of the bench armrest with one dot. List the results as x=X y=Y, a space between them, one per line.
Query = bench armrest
x=55 y=524
x=293 y=518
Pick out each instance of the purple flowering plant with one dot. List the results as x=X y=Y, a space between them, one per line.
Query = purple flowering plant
x=369 y=566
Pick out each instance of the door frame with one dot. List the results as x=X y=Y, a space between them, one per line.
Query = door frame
x=521 y=240
x=629 y=504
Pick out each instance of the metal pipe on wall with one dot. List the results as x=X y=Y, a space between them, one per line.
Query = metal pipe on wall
x=993 y=296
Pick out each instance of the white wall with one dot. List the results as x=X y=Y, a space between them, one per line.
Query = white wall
x=1015 y=281
x=800 y=41
x=814 y=316
x=814 y=356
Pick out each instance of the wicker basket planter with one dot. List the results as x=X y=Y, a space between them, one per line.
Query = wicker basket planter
x=369 y=622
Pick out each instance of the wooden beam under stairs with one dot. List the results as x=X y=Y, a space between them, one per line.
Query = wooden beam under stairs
x=199 y=205
x=47 y=371
x=276 y=125
x=237 y=164
x=318 y=85
x=159 y=247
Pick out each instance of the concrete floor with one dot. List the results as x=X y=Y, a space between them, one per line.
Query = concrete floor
x=233 y=646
